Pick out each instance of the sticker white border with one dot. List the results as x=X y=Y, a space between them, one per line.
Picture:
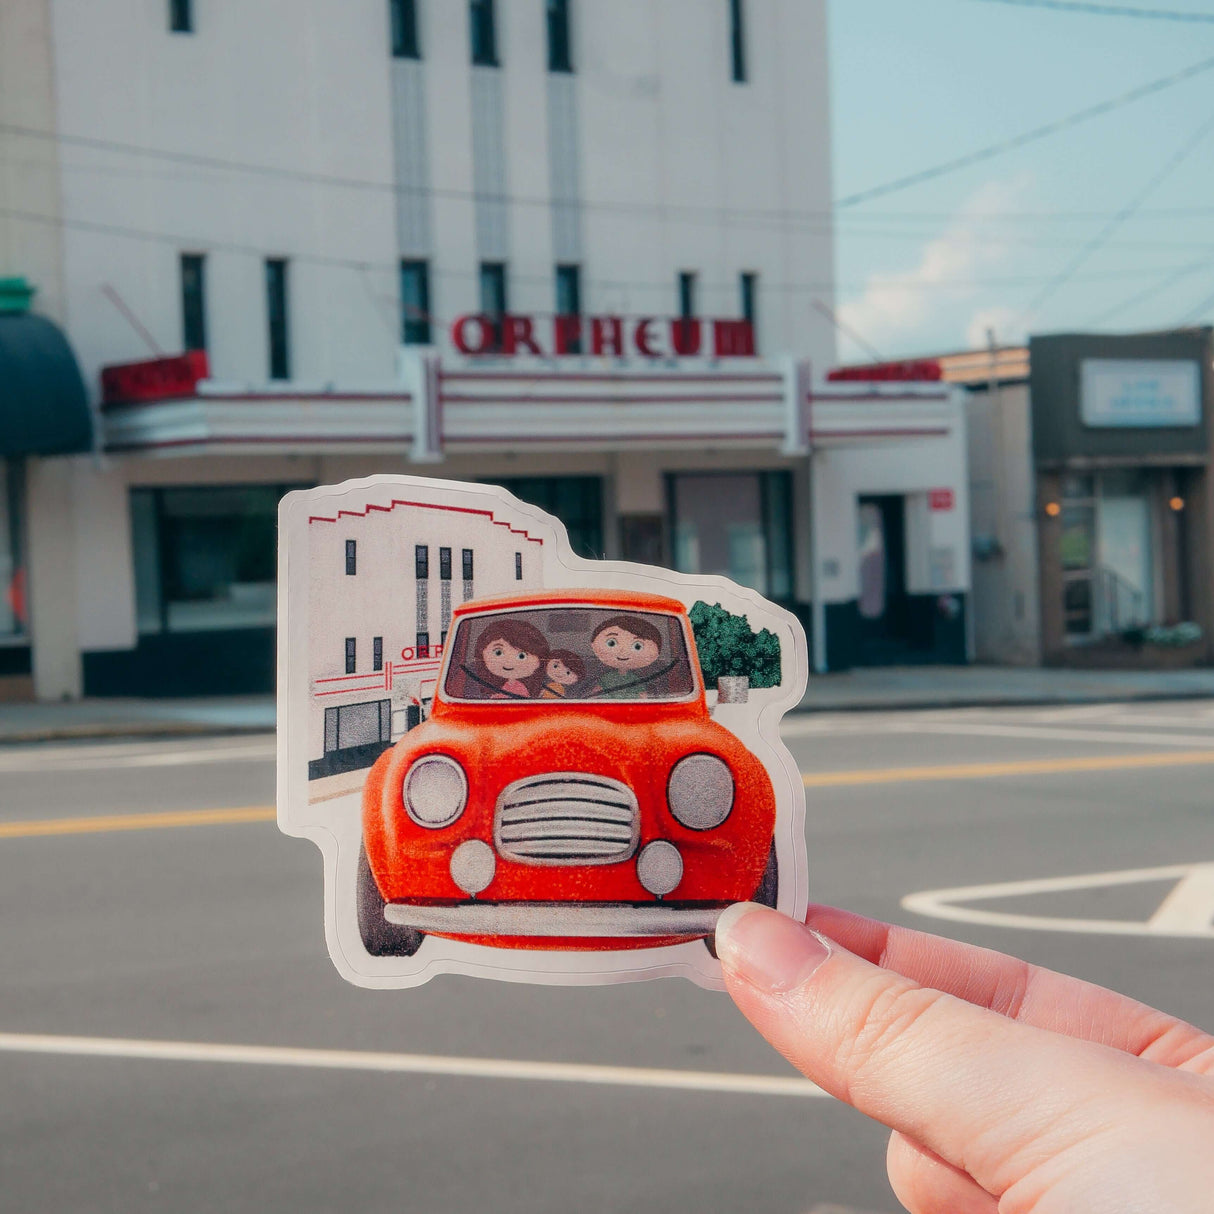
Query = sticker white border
x=339 y=839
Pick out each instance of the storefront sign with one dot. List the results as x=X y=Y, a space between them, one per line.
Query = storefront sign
x=1139 y=392
x=154 y=379
x=940 y=499
x=904 y=371
x=603 y=336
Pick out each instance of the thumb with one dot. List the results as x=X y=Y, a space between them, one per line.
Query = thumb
x=988 y=1095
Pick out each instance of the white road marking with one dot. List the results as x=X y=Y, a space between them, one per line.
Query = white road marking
x=954 y=727
x=412 y=1064
x=50 y=759
x=1054 y=734
x=1188 y=909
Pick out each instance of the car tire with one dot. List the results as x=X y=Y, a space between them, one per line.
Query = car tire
x=765 y=895
x=380 y=938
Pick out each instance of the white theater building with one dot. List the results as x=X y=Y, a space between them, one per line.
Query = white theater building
x=382 y=585
x=579 y=248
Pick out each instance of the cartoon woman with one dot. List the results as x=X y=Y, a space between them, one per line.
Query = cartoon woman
x=512 y=651
x=564 y=670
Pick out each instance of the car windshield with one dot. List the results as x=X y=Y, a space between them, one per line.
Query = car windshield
x=558 y=655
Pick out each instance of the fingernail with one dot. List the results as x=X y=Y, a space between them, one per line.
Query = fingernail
x=770 y=951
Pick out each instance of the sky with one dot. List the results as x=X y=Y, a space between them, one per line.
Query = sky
x=1106 y=226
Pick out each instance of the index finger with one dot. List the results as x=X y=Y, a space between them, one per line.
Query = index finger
x=1014 y=988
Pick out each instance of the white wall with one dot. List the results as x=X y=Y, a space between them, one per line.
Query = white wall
x=912 y=467
x=298 y=89
x=1007 y=615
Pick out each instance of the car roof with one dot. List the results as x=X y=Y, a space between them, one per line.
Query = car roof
x=623 y=600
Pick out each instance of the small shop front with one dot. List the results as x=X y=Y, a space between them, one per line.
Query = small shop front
x=1121 y=448
x=843 y=501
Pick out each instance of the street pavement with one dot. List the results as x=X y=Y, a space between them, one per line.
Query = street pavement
x=148 y=898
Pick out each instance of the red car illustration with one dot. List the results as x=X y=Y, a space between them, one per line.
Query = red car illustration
x=569 y=789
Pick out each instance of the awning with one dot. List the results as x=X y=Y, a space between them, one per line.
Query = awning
x=43 y=406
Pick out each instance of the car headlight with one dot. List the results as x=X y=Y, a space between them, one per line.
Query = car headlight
x=435 y=791
x=700 y=792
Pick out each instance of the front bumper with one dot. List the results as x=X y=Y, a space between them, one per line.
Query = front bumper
x=556 y=919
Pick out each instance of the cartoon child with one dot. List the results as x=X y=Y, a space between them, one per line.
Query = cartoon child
x=626 y=645
x=564 y=669
x=512 y=651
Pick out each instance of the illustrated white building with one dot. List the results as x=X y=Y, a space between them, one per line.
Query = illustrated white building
x=580 y=248
x=382 y=582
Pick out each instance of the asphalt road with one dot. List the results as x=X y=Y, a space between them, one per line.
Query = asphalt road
x=128 y=916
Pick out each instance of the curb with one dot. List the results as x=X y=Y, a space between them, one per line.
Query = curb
x=128 y=730
x=945 y=703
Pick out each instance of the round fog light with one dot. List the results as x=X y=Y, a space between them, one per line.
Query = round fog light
x=473 y=865
x=659 y=867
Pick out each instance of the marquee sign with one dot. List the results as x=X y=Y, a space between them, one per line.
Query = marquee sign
x=603 y=336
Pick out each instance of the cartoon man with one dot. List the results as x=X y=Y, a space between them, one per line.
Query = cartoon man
x=564 y=670
x=512 y=651
x=626 y=645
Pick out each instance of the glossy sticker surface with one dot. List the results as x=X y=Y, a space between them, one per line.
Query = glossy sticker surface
x=519 y=763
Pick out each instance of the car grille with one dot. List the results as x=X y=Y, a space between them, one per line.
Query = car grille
x=566 y=817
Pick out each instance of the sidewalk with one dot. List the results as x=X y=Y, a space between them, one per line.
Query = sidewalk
x=894 y=687
x=870 y=689
x=123 y=718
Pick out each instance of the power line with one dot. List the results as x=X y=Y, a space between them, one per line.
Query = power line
x=1110 y=10
x=363 y=265
x=1027 y=137
x=1174 y=161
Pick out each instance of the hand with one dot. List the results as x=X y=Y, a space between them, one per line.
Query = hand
x=1010 y=1089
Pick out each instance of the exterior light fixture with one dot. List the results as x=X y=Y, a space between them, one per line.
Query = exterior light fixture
x=1053 y=509
x=1176 y=503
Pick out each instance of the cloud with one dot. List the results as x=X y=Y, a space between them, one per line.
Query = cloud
x=923 y=305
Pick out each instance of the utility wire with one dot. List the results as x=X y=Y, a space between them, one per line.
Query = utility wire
x=362 y=265
x=1109 y=10
x=1027 y=137
x=1174 y=161
x=1146 y=293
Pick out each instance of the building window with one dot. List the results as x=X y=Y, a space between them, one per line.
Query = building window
x=748 y=290
x=423 y=644
x=403 y=15
x=737 y=524
x=193 y=302
x=14 y=620
x=483 y=29
x=204 y=557
x=377 y=653
x=737 y=42
x=444 y=564
x=518 y=566
x=559 y=56
x=576 y=500
x=181 y=17
x=467 y=554
x=279 y=321
x=351 y=557
x=493 y=298
x=351 y=651
x=415 y=302
x=421 y=556
x=569 y=306
x=687 y=294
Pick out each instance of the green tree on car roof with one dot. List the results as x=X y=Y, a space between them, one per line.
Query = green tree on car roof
x=728 y=645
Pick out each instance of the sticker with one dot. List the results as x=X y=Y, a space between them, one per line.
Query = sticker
x=518 y=763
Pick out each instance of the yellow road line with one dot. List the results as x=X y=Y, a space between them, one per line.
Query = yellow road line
x=1019 y=767
x=103 y=823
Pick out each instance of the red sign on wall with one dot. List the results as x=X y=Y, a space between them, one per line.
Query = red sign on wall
x=941 y=499
x=603 y=336
x=155 y=378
